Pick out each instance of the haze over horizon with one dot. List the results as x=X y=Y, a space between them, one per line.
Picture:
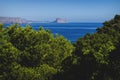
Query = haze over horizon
x=72 y=10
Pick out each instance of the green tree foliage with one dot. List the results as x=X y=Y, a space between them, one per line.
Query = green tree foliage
x=39 y=47
x=96 y=56
x=43 y=72
x=26 y=54
x=9 y=56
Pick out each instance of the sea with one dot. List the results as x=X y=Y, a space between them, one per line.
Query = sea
x=71 y=31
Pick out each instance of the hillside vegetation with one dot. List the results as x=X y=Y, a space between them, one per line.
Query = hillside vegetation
x=26 y=54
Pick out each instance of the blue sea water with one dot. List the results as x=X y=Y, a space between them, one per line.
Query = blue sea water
x=71 y=31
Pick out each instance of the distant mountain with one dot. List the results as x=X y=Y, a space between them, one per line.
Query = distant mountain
x=60 y=20
x=12 y=20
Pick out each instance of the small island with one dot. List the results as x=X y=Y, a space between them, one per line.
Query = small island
x=60 y=20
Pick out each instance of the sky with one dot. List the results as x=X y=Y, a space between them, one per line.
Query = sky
x=71 y=10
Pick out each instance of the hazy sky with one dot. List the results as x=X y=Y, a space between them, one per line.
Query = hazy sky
x=72 y=10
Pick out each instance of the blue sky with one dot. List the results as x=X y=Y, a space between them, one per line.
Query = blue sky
x=72 y=10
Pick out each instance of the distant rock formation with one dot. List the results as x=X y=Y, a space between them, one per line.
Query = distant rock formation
x=12 y=20
x=60 y=20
